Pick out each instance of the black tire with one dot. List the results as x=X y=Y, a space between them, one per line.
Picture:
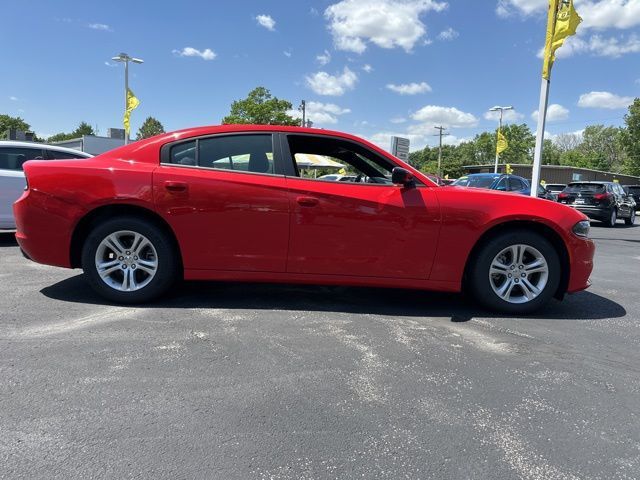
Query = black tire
x=613 y=218
x=632 y=218
x=167 y=264
x=479 y=283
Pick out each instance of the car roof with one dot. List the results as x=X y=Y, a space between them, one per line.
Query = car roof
x=13 y=143
x=484 y=174
x=595 y=182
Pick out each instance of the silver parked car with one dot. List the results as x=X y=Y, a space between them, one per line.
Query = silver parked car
x=12 y=182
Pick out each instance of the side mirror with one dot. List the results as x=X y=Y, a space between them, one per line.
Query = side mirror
x=402 y=176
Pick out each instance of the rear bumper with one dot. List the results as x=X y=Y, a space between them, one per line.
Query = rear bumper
x=43 y=228
x=595 y=213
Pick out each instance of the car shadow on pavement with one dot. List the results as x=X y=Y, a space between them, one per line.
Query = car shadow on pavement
x=8 y=239
x=377 y=301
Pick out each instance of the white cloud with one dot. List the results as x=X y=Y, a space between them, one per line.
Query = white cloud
x=398 y=120
x=383 y=139
x=385 y=23
x=507 y=115
x=367 y=68
x=598 y=14
x=412 y=88
x=287 y=53
x=448 y=34
x=109 y=64
x=621 y=14
x=555 y=112
x=13 y=99
x=432 y=115
x=321 y=113
x=323 y=83
x=100 y=26
x=206 y=54
x=267 y=22
x=598 y=45
x=606 y=100
x=323 y=58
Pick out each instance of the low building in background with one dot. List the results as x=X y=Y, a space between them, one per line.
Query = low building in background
x=557 y=173
x=94 y=144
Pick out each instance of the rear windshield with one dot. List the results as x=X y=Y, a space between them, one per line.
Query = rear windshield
x=585 y=187
x=481 y=181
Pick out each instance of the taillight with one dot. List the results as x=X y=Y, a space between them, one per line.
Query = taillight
x=602 y=196
x=562 y=195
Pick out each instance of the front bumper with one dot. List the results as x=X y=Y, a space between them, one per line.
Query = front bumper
x=581 y=253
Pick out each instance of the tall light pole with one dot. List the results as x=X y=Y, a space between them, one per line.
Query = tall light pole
x=124 y=58
x=500 y=109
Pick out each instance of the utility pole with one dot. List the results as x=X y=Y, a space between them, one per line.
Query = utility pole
x=440 y=133
x=303 y=107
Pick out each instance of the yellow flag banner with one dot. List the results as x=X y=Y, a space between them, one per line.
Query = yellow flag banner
x=132 y=104
x=566 y=23
x=501 y=144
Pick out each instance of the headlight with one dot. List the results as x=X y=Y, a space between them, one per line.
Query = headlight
x=581 y=228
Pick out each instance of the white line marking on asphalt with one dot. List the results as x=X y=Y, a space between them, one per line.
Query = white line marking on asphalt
x=111 y=314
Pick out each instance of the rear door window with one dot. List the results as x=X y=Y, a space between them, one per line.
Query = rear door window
x=585 y=188
x=59 y=155
x=12 y=158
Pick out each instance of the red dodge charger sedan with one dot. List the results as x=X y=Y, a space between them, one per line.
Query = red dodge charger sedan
x=243 y=203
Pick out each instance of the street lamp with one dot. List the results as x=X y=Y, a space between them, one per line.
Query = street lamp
x=124 y=58
x=501 y=110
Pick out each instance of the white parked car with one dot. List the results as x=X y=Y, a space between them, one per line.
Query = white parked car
x=12 y=182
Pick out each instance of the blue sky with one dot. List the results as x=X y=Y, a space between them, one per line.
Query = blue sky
x=373 y=68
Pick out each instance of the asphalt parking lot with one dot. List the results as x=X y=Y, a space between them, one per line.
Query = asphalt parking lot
x=290 y=382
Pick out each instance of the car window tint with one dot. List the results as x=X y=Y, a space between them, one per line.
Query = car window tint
x=316 y=157
x=58 y=155
x=476 y=181
x=12 y=158
x=184 y=154
x=246 y=153
x=585 y=187
x=502 y=184
x=515 y=184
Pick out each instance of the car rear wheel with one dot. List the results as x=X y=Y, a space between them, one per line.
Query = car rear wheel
x=613 y=218
x=516 y=272
x=129 y=260
x=632 y=218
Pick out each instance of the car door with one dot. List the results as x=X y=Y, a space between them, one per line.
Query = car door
x=12 y=180
x=357 y=228
x=225 y=198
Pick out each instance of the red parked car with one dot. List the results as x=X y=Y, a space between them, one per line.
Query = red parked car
x=230 y=203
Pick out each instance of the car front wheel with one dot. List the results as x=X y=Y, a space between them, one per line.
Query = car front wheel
x=516 y=272
x=632 y=218
x=613 y=218
x=129 y=260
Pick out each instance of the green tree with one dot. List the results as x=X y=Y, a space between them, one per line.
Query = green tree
x=550 y=153
x=7 y=122
x=261 y=108
x=630 y=139
x=83 y=129
x=521 y=144
x=602 y=148
x=149 y=128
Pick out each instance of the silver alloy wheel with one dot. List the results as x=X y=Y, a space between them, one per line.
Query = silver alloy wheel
x=519 y=273
x=126 y=261
x=614 y=217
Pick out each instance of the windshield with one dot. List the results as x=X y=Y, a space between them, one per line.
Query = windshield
x=476 y=181
x=585 y=187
